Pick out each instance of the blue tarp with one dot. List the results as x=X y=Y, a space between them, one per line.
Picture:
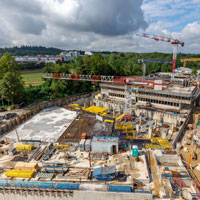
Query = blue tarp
x=104 y=170
x=104 y=173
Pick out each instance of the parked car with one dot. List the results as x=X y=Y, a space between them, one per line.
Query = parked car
x=10 y=115
x=2 y=109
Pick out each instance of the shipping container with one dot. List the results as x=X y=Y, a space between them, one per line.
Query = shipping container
x=82 y=145
x=119 y=188
x=102 y=144
x=88 y=145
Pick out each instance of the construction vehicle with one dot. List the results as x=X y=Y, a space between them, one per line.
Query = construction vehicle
x=174 y=42
x=185 y=60
x=152 y=61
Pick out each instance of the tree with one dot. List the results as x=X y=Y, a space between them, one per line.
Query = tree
x=7 y=64
x=11 y=84
x=11 y=87
x=194 y=70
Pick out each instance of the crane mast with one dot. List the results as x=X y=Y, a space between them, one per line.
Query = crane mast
x=144 y=61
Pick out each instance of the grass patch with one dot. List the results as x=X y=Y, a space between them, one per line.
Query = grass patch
x=32 y=77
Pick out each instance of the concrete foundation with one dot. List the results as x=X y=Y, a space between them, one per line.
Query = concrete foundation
x=48 y=125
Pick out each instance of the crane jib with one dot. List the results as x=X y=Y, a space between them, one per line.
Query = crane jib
x=98 y=78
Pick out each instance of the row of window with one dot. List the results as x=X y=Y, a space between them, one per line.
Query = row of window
x=117 y=95
x=166 y=95
x=159 y=102
x=157 y=94
x=115 y=89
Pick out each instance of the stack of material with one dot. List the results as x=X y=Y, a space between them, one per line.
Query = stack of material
x=24 y=147
x=27 y=166
x=20 y=173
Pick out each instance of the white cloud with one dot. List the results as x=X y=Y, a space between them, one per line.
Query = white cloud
x=98 y=24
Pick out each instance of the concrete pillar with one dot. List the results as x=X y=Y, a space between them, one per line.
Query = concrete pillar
x=137 y=128
x=150 y=131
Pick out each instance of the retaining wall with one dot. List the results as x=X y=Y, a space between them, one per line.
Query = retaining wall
x=15 y=194
x=181 y=131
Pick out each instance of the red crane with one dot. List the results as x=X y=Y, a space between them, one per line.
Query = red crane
x=174 y=42
x=127 y=81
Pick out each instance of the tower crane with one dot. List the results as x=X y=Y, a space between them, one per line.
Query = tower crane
x=185 y=60
x=174 y=42
x=151 y=61
x=127 y=81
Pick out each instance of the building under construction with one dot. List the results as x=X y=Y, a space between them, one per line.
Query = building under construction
x=103 y=146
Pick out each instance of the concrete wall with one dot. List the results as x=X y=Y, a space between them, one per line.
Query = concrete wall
x=181 y=131
x=118 y=107
x=154 y=115
x=162 y=117
x=173 y=159
x=72 y=195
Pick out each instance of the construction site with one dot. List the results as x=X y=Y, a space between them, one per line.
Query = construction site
x=135 y=138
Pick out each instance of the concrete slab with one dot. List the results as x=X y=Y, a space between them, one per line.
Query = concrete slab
x=48 y=125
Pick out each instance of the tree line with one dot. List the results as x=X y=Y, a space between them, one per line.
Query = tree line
x=12 y=88
x=30 y=51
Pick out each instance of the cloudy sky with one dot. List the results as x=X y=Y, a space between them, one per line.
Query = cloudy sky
x=100 y=24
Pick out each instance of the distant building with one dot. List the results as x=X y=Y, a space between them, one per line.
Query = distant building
x=38 y=59
x=89 y=53
x=70 y=55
